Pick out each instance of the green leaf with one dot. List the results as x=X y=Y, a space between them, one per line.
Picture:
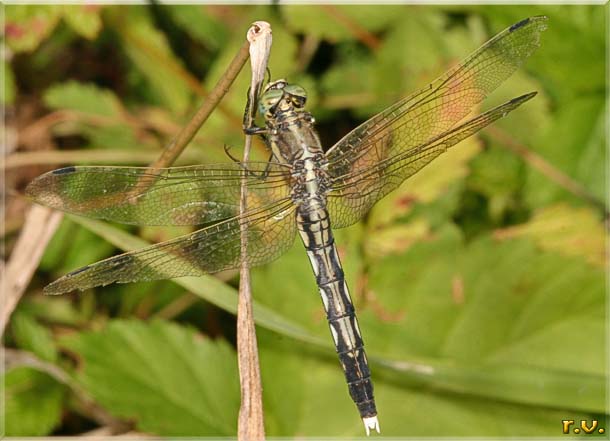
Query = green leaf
x=498 y=174
x=369 y=81
x=199 y=24
x=495 y=305
x=151 y=54
x=111 y=137
x=570 y=231
x=338 y=22
x=575 y=144
x=85 y=20
x=83 y=97
x=100 y=118
x=26 y=26
x=167 y=378
x=63 y=311
x=32 y=336
x=33 y=402
x=495 y=172
x=397 y=238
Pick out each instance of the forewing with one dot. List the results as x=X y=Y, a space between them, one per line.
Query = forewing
x=423 y=116
x=172 y=196
x=354 y=194
x=270 y=232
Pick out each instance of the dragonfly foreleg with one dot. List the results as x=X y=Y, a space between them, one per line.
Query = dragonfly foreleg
x=255 y=130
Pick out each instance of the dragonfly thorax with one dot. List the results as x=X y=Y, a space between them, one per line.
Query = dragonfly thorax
x=289 y=127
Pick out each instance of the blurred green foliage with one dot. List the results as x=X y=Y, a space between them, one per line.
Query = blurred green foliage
x=480 y=283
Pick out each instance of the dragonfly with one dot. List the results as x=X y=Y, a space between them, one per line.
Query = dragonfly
x=303 y=190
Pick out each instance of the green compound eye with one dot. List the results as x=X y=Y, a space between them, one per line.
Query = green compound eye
x=297 y=93
x=269 y=99
x=295 y=90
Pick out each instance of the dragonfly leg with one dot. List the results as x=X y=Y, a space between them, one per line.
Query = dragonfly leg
x=249 y=127
x=268 y=75
x=227 y=149
x=255 y=130
x=263 y=175
x=265 y=172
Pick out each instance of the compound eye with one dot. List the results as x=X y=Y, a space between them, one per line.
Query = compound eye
x=269 y=100
x=297 y=94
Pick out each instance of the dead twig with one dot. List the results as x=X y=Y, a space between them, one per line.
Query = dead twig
x=40 y=224
x=250 y=424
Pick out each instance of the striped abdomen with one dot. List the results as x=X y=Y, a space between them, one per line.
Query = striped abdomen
x=314 y=228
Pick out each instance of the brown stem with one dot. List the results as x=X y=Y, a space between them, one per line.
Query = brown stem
x=39 y=227
x=250 y=425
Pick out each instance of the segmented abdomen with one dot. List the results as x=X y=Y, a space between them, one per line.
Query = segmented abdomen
x=314 y=228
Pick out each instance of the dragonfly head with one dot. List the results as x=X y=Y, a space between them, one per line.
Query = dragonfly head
x=281 y=95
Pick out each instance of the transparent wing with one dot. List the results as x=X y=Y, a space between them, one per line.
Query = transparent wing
x=412 y=122
x=270 y=232
x=348 y=201
x=172 y=196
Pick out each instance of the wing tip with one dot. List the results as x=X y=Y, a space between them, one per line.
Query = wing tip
x=55 y=289
x=519 y=24
x=63 y=284
x=33 y=188
x=535 y=19
x=42 y=190
x=64 y=170
x=523 y=98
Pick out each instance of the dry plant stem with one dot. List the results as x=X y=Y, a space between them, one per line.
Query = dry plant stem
x=250 y=424
x=40 y=224
x=105 y=431
x=549 y=170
